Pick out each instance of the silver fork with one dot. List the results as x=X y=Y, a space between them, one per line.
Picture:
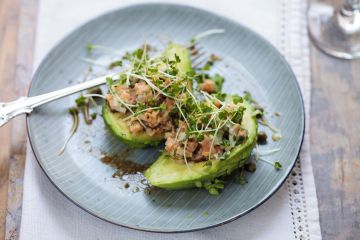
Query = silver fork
x=25 y=105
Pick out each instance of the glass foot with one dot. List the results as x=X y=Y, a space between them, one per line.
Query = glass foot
x=335 y=31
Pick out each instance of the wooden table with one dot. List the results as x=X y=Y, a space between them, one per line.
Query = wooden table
x=335 y=133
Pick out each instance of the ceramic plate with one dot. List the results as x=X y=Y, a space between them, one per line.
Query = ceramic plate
x=249 y=63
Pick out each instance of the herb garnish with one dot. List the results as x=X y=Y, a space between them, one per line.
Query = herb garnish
x=75 y=117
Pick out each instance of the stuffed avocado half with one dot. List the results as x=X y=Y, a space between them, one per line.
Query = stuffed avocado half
x=171 y=173
x=135 y=112
x=207 y=133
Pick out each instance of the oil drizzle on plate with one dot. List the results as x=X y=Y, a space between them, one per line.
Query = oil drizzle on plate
x=127 y=171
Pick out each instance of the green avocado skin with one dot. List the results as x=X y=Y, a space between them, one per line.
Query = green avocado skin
x=121 y=130
x=167 y=173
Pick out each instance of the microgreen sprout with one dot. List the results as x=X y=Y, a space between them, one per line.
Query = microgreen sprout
x=205 y=34
x=75 y=117
x=268 y=152
x=94 y=62
x=114 y=64
x=277 y=165
x=91 y=47
x=184 y=153
x=264 y=122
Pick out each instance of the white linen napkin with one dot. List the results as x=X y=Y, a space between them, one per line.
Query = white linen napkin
x=291 y=213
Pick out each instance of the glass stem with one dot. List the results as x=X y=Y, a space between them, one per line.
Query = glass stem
x=348 y=16
x=350 y=5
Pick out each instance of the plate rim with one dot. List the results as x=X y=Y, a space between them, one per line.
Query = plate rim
x=176 y=5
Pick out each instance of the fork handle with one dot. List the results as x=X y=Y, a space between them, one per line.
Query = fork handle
x=26 y=105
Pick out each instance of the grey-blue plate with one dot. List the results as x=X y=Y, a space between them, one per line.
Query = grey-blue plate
x=249 y=63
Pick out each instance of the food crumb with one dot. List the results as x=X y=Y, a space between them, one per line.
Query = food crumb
x=126 y=185
x=278 y=114
x=214 y=57
x=105 y=159
x=250 y=167
x=276 y=137
x=208 y=86
x=206 y=213
x=262 y=137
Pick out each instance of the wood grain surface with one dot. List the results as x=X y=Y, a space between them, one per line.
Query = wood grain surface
x=17 y=38
x=335 y=133
x=9 y=17
x=335 y=141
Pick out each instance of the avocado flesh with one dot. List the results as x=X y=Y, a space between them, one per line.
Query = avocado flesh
x=168 y=173
x=184 y=66
x=119 y=127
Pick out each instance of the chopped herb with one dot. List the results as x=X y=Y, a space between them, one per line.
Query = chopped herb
x=198 y=78
x=138 y=53
x=213 y=191
x=89 y=47
x=241 y=180
x=214 y=186
x=114 y=64
x=94 y=115
x=210 y=62
x=73 y=111
x=248 y=96
x=198 y=184
x=221 y=96
x=81 y=101
x=238 y=114
x=200 y=137
x=162 y=107
x=219 y=81
x=109 y=81
x=237 y=99
x=278 y=165
x=177 y=58
x=207 y=66
x=223 y=114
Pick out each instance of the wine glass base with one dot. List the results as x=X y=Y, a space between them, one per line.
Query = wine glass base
x=334 y=33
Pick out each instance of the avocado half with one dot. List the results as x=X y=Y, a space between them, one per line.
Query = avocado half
x=167 y=173
x=120 y=129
